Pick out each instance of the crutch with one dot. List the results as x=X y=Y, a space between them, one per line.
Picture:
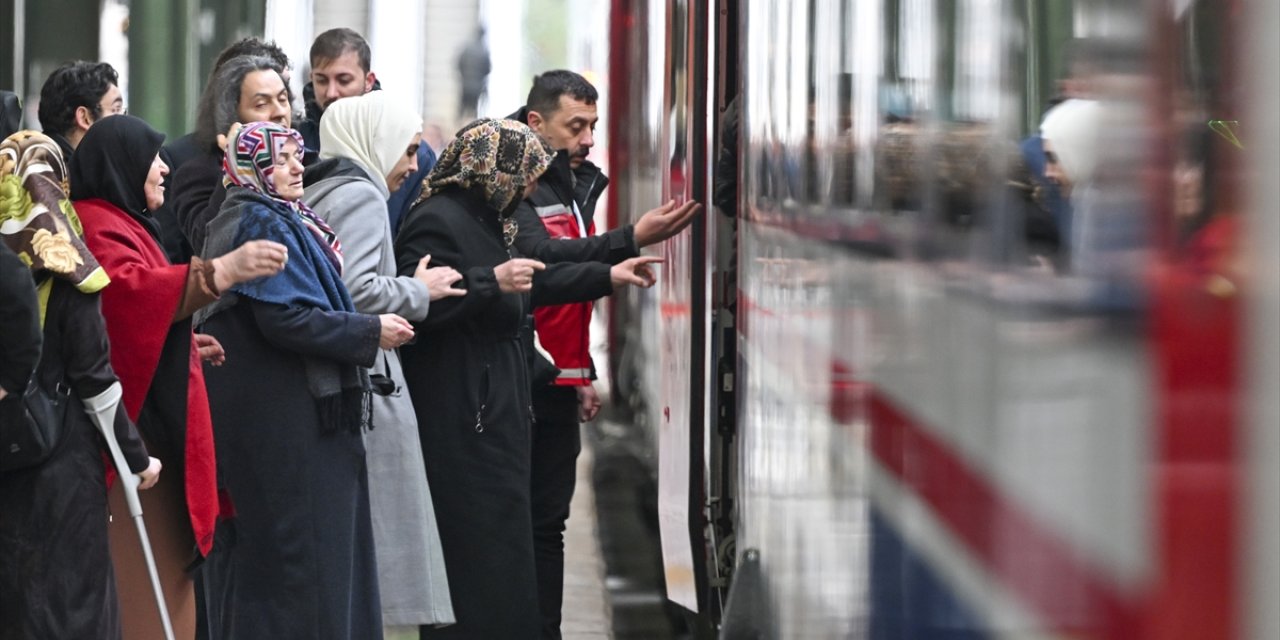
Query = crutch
x=102 y=409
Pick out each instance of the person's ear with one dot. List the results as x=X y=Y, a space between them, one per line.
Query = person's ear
x=84 y=118
x=369 y=81
x=535 y=121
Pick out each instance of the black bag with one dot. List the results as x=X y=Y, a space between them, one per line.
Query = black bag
x=31 y=425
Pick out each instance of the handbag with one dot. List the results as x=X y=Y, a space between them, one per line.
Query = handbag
x=31 y=425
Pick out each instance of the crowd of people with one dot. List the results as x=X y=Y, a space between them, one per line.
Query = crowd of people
x=350 y=374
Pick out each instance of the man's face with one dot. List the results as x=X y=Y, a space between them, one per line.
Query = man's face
x=111 y=103
x=340 y=77
x=572 y=127
x=264 y=98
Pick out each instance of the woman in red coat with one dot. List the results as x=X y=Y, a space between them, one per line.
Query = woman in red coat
x=116 y=177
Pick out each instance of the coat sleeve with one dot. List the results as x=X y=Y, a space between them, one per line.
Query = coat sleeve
x=349 y=338
x=428 y=233
x=197 y=197
x=358 y=214
x=87 y=357
x=20 y=334
x=562 y=283
x=532 y=240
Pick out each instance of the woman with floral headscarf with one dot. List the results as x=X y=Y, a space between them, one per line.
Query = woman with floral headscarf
x=116 y=182
x=56 y=577
x=468 y=371
x=297 y=559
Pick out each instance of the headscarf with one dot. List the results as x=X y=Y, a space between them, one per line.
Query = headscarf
x=250 y=162
x=373 y=130
x=112 y=163
x=36 y=219
x=1072 y=127
x=492 y=158
x=312 y=278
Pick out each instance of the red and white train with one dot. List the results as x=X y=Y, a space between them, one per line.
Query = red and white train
x=885 y=401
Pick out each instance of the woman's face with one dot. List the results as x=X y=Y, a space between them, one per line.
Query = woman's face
x=1053 y=169
x=152 y=188
x=405 y=166
x=287 y=178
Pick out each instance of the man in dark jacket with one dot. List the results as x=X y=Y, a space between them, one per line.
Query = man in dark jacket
x=341 y=68
x=556 y=224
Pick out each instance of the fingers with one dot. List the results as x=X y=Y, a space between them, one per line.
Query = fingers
x=426 y=260
x=643 y=260
x=646 y=276
x=525 y=262
x=452 y=292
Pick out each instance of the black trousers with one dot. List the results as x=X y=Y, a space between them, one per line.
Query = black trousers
x=557 y=441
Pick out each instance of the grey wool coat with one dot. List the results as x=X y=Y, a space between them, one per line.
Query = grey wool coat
x=411 y=571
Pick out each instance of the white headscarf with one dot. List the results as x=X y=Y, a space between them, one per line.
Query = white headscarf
x=373 y=130
x=1072 y=127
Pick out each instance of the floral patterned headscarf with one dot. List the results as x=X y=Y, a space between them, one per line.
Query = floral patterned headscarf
x=250 y=162
x=493 y=158
x=37 y=220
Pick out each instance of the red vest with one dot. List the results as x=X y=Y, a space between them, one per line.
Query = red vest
x=564 y=330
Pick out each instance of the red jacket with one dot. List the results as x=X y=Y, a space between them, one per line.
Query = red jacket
x=564 y=330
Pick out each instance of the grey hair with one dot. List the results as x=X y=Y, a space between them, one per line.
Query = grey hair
x=220 y=103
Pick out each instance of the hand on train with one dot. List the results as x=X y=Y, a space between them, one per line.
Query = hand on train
x=516 y=274
x=439 y=280
x=150 y=475
x=588 y=403
x=211 y=350
x=395 y=331
x=667 y=220
x=635 y=271
x=253 y=259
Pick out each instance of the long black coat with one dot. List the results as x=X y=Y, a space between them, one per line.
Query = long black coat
x=56 y=578
x=467 y=373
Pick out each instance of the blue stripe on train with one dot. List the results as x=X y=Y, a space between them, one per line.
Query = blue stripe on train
x=908 y=599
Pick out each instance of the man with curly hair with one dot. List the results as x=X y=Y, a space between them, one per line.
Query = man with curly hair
x=75 y=96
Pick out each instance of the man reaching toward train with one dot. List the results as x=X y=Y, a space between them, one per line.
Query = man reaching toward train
x=556 y=224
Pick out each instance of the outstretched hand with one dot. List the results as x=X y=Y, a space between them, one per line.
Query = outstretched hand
x=665 y=221
x=634 y=271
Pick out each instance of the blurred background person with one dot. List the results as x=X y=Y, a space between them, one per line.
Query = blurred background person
x=473 y=71
x=75 y=96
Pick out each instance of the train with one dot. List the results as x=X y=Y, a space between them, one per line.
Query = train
x=895 y=389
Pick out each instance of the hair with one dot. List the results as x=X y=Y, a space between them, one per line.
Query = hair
x=544 y=96
x=333 y=43
x=71 y=86
x=220 y=104
x=251 y=47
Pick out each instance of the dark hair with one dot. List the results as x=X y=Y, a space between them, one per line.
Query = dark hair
x=71 y=86
x=544 y=96
x=333 y=43
x=220 y=104
x=251 y=46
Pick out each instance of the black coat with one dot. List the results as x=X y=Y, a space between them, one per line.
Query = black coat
x=56 y=578
x=196 y=197
x=467 y=373
x=19 y=323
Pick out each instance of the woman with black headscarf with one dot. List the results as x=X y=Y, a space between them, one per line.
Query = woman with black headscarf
x=116 y=176
x=55 y=565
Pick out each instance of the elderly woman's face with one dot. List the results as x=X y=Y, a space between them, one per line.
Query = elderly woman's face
x=264 y=98
x=152 y=189
x=287 y=177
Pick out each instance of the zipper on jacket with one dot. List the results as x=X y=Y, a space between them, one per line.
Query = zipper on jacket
x=481 y=401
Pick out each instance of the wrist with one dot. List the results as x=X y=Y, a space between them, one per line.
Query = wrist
x=221 y=278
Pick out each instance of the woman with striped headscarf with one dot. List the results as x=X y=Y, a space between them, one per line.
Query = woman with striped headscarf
x=289 y=406
x=56 y=574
